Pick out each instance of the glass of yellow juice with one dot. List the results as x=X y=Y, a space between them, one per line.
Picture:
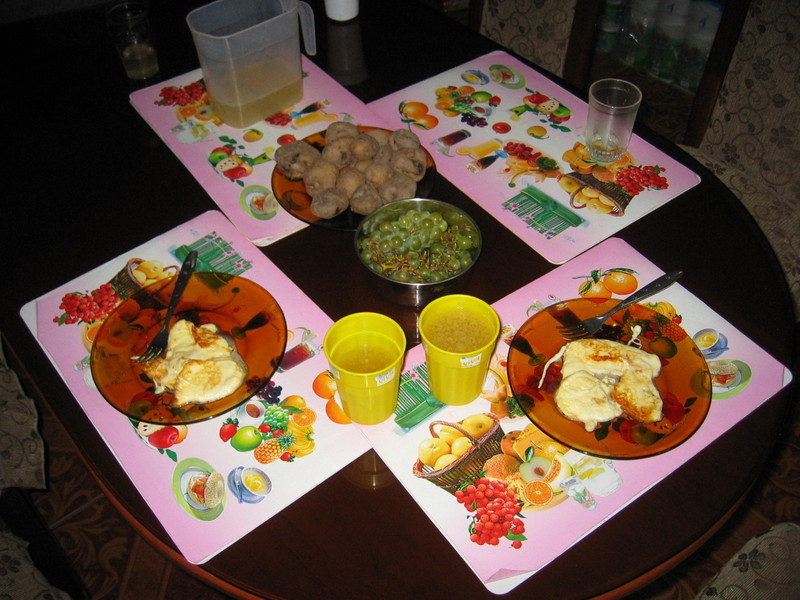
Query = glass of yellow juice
x=459 y=334
x=365 y=351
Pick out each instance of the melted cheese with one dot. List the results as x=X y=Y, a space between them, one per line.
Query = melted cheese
x=200 y=365
x=601 y=379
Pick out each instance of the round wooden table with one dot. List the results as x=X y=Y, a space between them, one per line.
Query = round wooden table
x=86 y=179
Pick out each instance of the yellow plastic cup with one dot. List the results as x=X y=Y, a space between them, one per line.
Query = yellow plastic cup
x=365 y=351
x=459 y=334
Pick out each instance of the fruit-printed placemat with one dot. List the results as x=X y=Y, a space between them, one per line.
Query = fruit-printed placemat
x=512 y=140
x=298 y=400
x=234 y=166
x=532 y=465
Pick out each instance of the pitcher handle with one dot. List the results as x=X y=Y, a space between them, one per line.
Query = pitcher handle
x=307 y=25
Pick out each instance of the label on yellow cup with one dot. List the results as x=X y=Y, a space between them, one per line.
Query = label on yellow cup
x=470 y=361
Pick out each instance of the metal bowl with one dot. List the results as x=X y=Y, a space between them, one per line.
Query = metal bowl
x=416 y=293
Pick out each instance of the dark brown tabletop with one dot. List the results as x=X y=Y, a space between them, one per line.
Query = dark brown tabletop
x=85 y=179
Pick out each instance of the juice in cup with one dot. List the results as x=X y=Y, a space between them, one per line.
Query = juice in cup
x=365 y=352
x=459 y=334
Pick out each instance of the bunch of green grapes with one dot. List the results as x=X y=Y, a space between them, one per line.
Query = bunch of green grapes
x=421 y=246
x=277 y=417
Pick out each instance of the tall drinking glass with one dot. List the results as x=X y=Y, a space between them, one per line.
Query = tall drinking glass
x=613 y=104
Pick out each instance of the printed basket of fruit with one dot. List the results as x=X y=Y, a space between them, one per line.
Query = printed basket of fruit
x=470 y=463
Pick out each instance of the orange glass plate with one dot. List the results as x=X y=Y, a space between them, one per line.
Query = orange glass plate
x=242 y=309
x=292 y=195
x=684 y=382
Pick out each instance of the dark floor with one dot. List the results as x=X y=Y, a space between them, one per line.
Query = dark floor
x=115 y=563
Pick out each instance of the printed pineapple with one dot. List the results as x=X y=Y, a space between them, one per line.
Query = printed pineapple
x=273 y=448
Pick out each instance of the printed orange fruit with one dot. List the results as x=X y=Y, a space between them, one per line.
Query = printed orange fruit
x=426 y=122
x=295 y=401
x=324 y=385
x=595 y=289
x=414 y=109
x=335 y=413
x=538 y=493
x=305 y=418
x=620 y=282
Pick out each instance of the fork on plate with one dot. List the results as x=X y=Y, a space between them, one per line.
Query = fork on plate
x=587 y=327
x=159 y=343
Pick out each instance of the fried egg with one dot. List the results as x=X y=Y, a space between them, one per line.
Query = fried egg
x=200 y=365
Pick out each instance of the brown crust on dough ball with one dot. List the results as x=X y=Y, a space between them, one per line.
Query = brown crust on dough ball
x=329 y=202
x=349 y=180
x=321 y=175
x=366 y=199
x=379 y=135
x=383 y=156
x=338 y=152
x=411 y=162
x=295 y=159
x=364 y=147
x=404 y=138
x=339 y=129
x=398 y=187
x=378 y=174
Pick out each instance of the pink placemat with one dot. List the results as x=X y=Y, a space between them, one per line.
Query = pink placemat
x=198 y=534
x=551 y=532
x=239 y=183
x=512 y=140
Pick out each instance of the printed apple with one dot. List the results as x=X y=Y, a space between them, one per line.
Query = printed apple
x=460 y=446
x=477 y=425
x=431 y=449
x=246 y=439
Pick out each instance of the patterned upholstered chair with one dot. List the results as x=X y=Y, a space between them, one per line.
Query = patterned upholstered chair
x=753 y=140
x=751 y=107
x=549 y=33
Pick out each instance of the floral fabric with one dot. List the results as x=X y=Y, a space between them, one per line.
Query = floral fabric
x=752 y=141
x=535 y=29
x=766 y=568
x=21 y=446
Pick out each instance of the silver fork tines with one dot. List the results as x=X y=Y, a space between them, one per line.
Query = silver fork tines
x=159 y=343
x=591 y=325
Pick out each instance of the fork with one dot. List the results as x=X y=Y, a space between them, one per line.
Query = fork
x=590 y=326
x=159 y=343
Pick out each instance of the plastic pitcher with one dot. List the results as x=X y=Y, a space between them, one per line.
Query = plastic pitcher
x=249 y=51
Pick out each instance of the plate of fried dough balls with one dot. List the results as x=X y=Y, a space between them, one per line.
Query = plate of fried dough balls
x=335 y=177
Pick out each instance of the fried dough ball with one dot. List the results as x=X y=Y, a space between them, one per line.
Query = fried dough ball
x=329 y=202
x=398 y=187
x=383 y=156
x=364 y=147
x=366 y=199
x=403 y=138
x=411 y=162
x=377 y=174
x=380 y=135
x=338 y=152
x=349 y=180
x=321 y=175
x=339 y=129
x=295 y=159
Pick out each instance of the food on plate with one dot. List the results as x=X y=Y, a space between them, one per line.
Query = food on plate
x=602 y=379
x=206 y=489
x=397 y=187
x=411 y=162
x=392 y=162
x=200 y=365
x=329 y=202
x=295 y=159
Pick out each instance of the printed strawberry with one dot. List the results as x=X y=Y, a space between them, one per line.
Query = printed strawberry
x=228 y=428
x=287 y=457
x=264 y=428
